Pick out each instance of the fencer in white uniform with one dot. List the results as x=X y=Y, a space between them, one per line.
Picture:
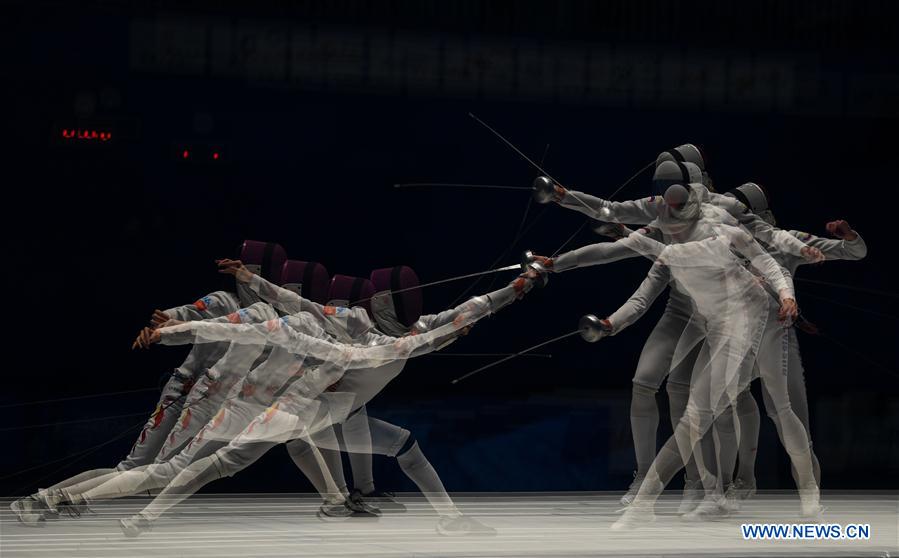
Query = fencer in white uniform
x=245 y=395
x=299 y=413
x=655 y=362
x=848 y=245
x=682 y=164
x=731 y=310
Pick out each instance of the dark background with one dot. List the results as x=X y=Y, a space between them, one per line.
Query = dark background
x=318 y=108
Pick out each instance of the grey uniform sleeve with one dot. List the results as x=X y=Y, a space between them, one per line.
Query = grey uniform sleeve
x=599 y=253
x=835 y=248
x=780 y=281
x=639 y=302
x=638 y=212
x=282 y=299
x=490 y=303
x=757 y=227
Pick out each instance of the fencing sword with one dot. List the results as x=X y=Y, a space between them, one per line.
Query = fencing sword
x=528 y=263
x=459 y=185
x=543 y=191
x=484 y=355
x=544 y=186
x=590 y=328
x=520 y=232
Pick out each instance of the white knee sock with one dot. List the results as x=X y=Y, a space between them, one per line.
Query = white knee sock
x=419 y=469
x=302 y=454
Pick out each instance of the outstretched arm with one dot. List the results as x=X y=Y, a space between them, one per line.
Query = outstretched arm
x=639 y=212
x=758 y=228
x=212 y=305
x=848 y=244
x=601 y=252
x=282 y=299
x=652 y=286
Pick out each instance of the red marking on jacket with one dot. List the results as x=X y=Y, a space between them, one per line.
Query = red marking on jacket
x=185 y=418
x=248 y=389
x=218 y=419
x=157 y=416
x=519 y=284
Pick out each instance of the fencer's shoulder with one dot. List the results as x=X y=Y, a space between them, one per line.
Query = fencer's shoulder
x=733 y=232
x=727 y=202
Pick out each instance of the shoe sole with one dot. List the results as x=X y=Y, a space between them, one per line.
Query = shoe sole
x=636 y=524
x=685 y=511
x=388 y=506
x=130 y=532
x=331 y=518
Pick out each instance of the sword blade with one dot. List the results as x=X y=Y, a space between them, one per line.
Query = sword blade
x=510 y=357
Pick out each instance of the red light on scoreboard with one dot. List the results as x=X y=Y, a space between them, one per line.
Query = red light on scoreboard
x=199 y=154
x=80 y=134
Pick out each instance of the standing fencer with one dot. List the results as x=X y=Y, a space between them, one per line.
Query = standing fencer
x=848 y=245
x=682 y=164
x=733 y=309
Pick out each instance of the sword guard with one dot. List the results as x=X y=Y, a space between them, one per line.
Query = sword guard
x=544 y=189
x=530 y=263
x=592 y=329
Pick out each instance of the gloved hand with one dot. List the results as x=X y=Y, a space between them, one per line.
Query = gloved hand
x=614 y=231
x=544 y=261
x=158 y=318
x=559 y=193
x=526 y=281
x=235 y=268
x=593 y=329
x=812 y=254
x=788 y=310
x=145 y=338
x=841 y=229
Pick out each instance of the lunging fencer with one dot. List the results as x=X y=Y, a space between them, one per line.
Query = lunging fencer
x=299 y=413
